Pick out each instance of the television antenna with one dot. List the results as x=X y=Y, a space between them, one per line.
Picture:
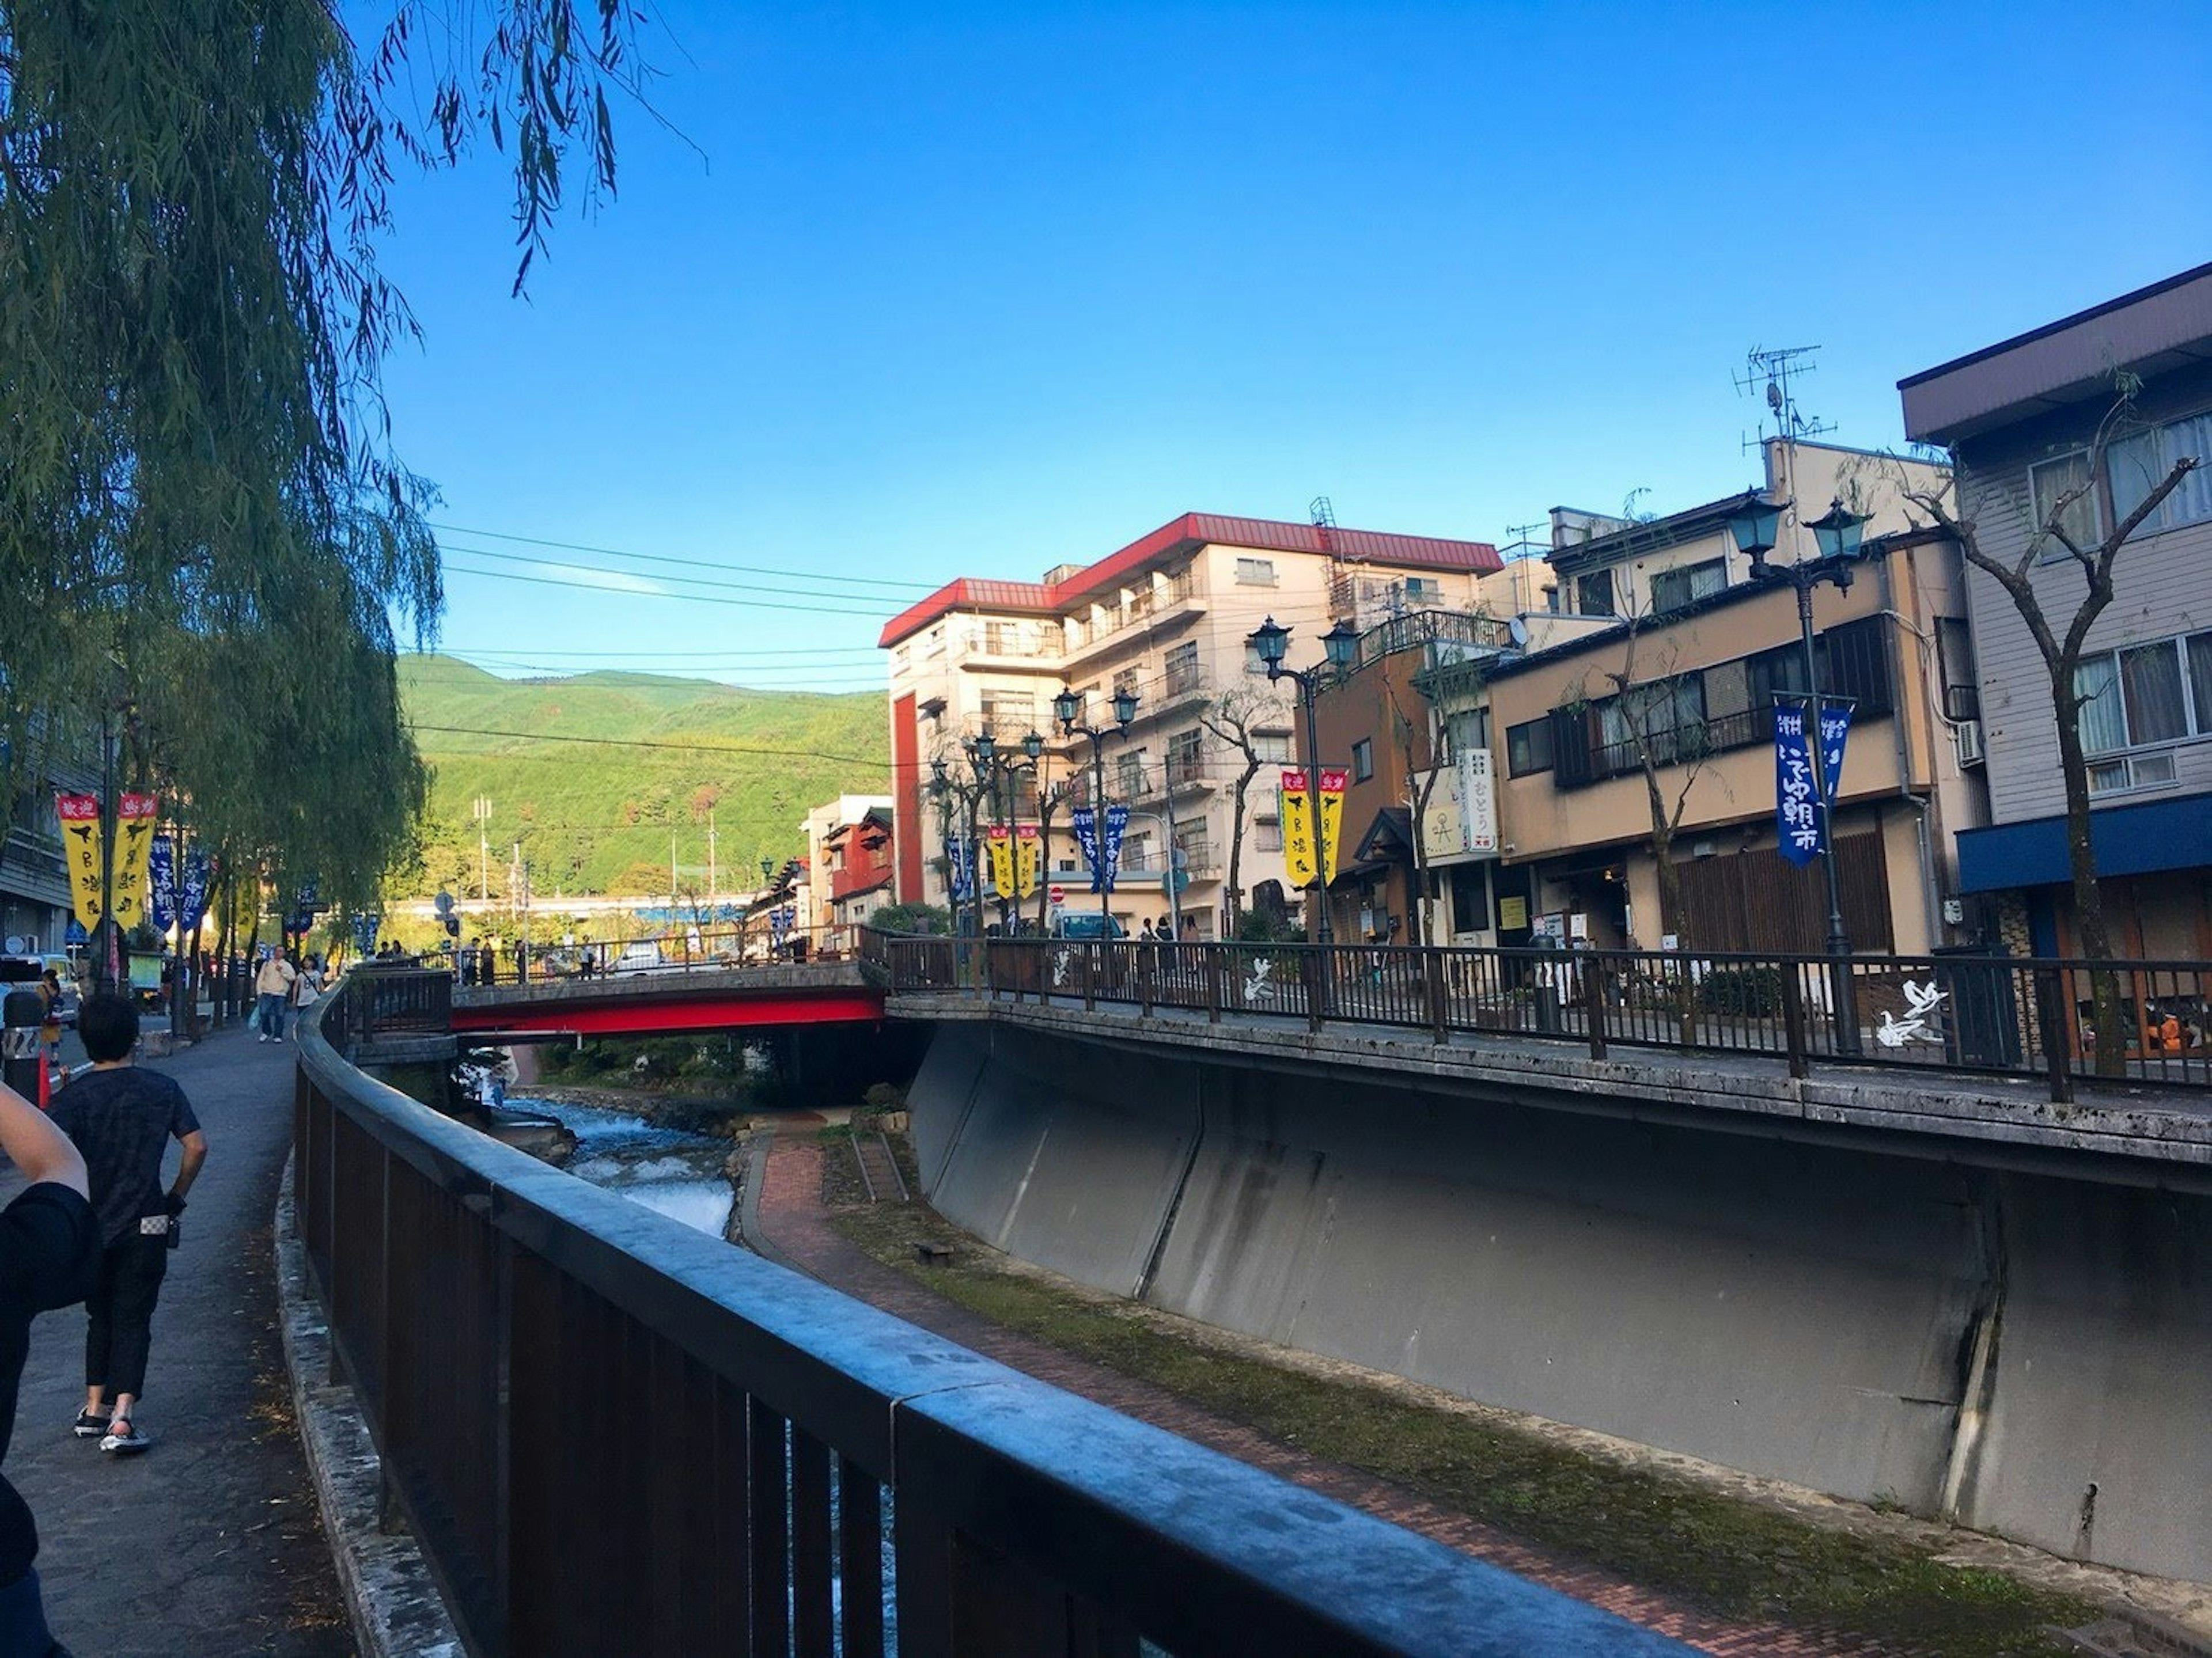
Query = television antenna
x=1769 y=374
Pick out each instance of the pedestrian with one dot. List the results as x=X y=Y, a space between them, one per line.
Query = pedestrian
x=272 y=989
x=308 y=987
x=49 y=1241
x=50 y=1019
x=122 y=1119
x=1145 y=934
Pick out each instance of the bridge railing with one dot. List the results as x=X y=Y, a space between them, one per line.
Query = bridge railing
x=2006 y=1015
x=610 y=1433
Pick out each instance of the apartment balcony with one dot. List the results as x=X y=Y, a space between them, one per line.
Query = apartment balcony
x=1171 y=601
x=1001 y=647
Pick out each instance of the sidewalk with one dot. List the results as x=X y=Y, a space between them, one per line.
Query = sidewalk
x=212 y=1542
x=796 y=1227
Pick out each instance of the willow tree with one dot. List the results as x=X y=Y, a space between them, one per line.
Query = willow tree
x=200 y=498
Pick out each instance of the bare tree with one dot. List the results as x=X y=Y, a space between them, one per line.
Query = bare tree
x=1234 y=718
x=2060 y=639
x=1407 y=732
x=1047 y=806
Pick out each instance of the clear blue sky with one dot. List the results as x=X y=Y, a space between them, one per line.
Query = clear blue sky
x=976 y=290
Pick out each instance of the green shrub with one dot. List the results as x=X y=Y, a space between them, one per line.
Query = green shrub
x=1755 y=993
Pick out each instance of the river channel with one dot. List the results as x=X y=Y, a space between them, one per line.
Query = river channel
x=679 y=1173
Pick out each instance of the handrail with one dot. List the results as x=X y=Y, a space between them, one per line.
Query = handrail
x=611 y=1433
x=2013 y=1015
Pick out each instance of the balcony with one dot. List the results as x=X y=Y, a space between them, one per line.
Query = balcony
x=1148 y=605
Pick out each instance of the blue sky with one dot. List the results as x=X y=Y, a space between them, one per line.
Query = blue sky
x=976 y=290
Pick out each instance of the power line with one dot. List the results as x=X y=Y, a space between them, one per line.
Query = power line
x=536 y=562
x=699 y=564
x=687 y=598
x=646 y=743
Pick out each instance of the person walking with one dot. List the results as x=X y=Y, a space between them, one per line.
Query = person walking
x=272 y=988
x=308 y=986
x=49 y=1241
x=122 y=1119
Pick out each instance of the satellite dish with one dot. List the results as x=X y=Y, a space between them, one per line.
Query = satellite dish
x=1518 y=629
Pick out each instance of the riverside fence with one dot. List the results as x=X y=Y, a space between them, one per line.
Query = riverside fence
x=2007 y=1015
x=610 y=1433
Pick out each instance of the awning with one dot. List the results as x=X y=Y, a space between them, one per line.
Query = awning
x=2143 y=838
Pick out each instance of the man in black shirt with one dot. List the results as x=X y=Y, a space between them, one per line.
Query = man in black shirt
x=122 y=1119
x=48 y=1242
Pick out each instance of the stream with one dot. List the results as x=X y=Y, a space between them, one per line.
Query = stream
x=678 y=1173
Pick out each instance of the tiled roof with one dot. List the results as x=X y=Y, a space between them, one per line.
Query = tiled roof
x=1180 y=534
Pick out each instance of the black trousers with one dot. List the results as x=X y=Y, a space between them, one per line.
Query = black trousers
x=121 y=1306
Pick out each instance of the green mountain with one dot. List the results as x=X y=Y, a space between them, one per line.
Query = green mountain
x=663 y=755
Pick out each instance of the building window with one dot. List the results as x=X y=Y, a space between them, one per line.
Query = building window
x=1467 y=731
x=1009 y=715
x=1268 y=834
x=2138 y=464
x=1528 y=747
x=1954 y=655
x=1362 y=760
x=1673 y=589
x=1424 y=590
x=1272 y=748
x=2049 y=482
x=1470 y=898
x=1126 y=680
x=1182 y=668
x=2141 y=697
x=1129 y=773
x=1593 y=594
x=1255 y=572
x=1186 y=761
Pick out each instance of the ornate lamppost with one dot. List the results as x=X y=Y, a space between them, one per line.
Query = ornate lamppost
x=1341 y=646
x=1067 y=708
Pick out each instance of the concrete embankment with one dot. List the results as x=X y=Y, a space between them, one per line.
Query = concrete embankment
x=2028 y=1351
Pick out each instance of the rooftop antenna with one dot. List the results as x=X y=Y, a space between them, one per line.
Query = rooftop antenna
x=1768 y=374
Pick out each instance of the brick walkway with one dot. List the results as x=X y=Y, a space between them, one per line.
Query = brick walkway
x=796 y=1226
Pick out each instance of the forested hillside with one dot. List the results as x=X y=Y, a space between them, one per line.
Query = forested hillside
x=667 y=754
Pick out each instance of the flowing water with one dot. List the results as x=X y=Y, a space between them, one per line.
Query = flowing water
x=678 y=1173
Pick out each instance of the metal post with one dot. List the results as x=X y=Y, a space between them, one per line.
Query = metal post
x=1099 y=832
x=1593 y=998
x=1323 y=935
x=1842 y=993
x=109 y=946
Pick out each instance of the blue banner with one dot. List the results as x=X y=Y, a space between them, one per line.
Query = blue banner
x=1085 y=825
x=1835 y=730
x=959 y=869
x=779 y=924
x=1796 y=805
x=179 y=896
x=1110 y=852
x=364 y=933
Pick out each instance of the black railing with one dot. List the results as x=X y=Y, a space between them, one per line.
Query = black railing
x=610 y=1433
x=2008 y=1014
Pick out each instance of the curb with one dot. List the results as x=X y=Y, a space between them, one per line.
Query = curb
x=391 y=1597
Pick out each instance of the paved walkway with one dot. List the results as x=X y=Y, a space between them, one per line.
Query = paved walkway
x=796 y=1226
x=212 y=1543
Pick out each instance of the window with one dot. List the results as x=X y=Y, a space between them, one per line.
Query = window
x=1268 y=834
x=2049 y=482
x=2138 y=464
x=1185 y=760
x=1362 y=760
x=2139 y=697
x=1129 y=773
x=1255 y=572
x=1272 y=747
x=1183 y=669
x=1593 y=594
x=1009 y=715
x=1424 y=590
x=1125 y=680
x=1667 y=718
x=1955 y=656
x=1468 y=730
x=1528 y=748
x=1470 y=898
x=1672 y=589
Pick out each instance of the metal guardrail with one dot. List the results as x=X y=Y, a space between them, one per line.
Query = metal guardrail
x=2008 y=1014
x=610 y=1433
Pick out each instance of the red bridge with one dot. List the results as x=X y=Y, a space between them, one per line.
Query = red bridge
x=654 y=1000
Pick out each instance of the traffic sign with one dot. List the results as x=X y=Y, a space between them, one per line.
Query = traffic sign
x=1056 y=894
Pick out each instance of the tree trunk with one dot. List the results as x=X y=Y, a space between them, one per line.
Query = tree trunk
x=2092 y=938
x=1236 y=810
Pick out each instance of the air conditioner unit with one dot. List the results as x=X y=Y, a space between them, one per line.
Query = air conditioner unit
x=1970 y=742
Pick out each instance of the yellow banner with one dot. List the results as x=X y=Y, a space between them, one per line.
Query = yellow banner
x=134 y=831
x=1296 y=811
x=1027 y=855
x=81 y=839
x=1333 y=782
x=1000 y=845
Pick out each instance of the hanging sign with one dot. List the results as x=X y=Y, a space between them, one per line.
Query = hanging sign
x=999 y=843
x=365 y=928
x=1333 y=781
x=1835 y=730
x=1084 y=823
x=1109 y=849
x=1028 y=857
x=134 y=845
x=959 y=869
x=178 y=885
x=1478 y=801
x=80 y=841
x=1796 y=804
x=1296 y=811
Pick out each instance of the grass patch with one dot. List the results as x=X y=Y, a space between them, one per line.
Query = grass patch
x=1729 y=1556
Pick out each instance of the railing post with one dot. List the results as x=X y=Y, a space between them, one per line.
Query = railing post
x=1792 y=1019
x=1432 y=969
x=1217 y=957
x=1593 y=1002
x=1090 y=976
x=1314 y=959
x=2050 y=1014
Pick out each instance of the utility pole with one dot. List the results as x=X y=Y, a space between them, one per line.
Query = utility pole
x=710 y=854
x=481 y=812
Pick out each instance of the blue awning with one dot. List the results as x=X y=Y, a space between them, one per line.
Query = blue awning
x=2144 y=839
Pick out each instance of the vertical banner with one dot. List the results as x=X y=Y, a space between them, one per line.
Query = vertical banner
x=162 y=897
x=1333 y=781
x=1085 y=825
x=365 y=927
x=1028 y=857
x=1835 y=730
x=1001 y=843
x=1296 y=811
x=1797 y=807
x=81 y=840
x=134 y=845
x=959 y=869
x=1110 y=843
x=1478 y=801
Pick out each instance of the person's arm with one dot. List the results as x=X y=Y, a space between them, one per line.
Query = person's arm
x=35 y=1145
x=188 y=1166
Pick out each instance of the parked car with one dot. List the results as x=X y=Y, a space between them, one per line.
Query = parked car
x=644 y=954
x=1087 y=924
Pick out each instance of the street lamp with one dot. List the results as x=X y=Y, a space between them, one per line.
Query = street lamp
x=1340 y=648
x=992 y=770
x=1067 y=708
x=1756 y=525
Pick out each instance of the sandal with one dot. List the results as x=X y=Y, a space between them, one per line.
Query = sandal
x=89 y=1426
x=123 y=1437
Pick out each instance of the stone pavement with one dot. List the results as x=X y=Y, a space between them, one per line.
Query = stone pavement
x=212 y=1543
x=793 y=1225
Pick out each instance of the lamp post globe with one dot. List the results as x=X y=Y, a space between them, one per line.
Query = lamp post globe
x=1067 y=708
x=1033 y=746
x=1268 y=641
x=1125 y=707
x=1836 y=532
x=1341 y=643
x=1756 y=525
